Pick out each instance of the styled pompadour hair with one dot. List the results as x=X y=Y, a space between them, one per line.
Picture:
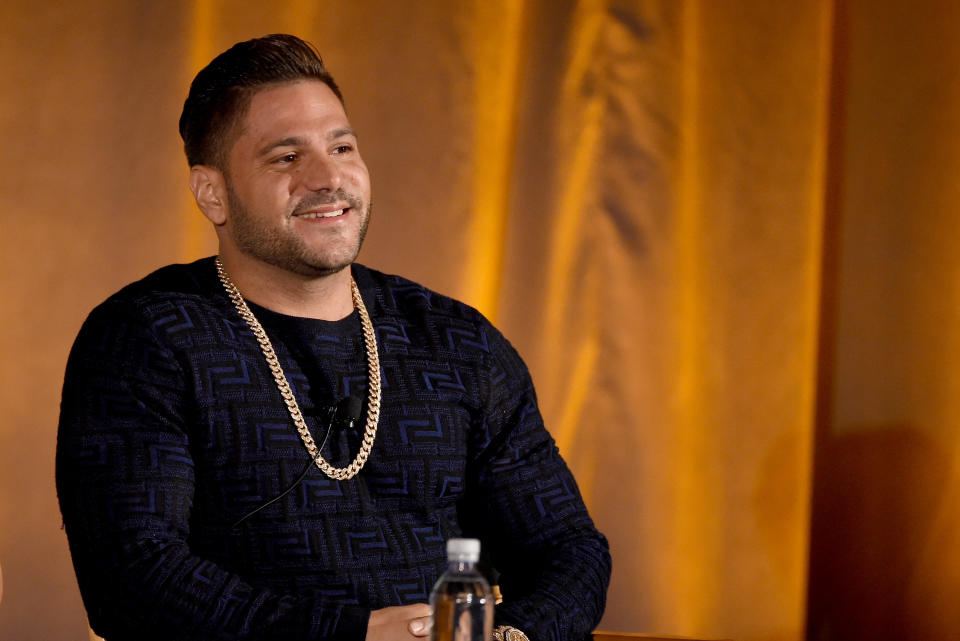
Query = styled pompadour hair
x=220 y=94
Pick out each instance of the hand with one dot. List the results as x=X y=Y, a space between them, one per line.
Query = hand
x=399 y=623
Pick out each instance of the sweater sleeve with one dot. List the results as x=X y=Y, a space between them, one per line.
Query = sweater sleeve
x=554 y=565
x=125 y=482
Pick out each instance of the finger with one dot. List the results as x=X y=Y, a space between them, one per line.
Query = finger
x=420 y=627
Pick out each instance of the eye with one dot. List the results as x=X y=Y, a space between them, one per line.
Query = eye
x=286 y=158
x=342 y=149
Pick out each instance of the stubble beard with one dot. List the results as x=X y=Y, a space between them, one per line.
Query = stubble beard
x=286 y=250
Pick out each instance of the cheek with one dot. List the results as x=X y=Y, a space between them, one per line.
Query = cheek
x=285 y=184
x=360 y=179
x=267 y=189
x=278 y=190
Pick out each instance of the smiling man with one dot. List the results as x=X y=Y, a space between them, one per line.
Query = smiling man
x=275 y=443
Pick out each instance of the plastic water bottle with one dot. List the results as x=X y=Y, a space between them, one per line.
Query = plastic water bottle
x=461 y=599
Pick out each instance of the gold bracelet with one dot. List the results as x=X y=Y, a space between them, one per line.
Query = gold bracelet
x=509 y=633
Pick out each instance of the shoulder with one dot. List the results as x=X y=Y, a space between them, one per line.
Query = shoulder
x=167 y=301
x=171 y=283
x=453 y=326
x=398 y=296
x=398 y=299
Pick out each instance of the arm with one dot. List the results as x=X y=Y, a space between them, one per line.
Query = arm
x=125 y=483
x=554 y=565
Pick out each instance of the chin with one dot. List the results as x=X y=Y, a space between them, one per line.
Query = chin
x=326 y=265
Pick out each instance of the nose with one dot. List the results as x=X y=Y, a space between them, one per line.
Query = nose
x=322 y=173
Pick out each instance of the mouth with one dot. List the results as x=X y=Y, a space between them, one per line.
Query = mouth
x=313 y=215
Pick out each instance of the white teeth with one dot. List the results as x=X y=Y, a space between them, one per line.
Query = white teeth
x=329 y=214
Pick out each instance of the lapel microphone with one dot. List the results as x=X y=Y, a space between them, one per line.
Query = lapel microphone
x=349 y=410
x=346 y=411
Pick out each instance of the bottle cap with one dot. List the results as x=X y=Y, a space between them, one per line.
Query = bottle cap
x=467 y=550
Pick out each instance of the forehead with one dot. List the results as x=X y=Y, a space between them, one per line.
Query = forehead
x=302 y=108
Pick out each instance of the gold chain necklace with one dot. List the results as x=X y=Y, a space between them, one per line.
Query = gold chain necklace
x=373 y=378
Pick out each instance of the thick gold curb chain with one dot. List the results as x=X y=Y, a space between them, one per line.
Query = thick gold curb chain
x=373 y=377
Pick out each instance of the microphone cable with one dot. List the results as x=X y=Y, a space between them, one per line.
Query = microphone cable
x=332 y=411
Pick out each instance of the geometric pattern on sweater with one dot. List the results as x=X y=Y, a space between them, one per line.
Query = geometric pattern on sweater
x=172 y=429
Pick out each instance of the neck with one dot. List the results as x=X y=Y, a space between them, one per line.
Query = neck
x=325 y=297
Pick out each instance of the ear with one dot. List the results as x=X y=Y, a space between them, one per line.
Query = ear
x=210 y=191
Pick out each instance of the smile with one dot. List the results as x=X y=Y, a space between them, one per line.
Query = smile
x=328 y=214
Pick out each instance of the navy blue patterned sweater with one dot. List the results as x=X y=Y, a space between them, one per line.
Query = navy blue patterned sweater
x=172 y=429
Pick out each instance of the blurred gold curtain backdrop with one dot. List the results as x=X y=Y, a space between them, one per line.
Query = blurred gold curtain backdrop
x=720 y=233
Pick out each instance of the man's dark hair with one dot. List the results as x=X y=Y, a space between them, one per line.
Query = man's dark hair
x=221 y=93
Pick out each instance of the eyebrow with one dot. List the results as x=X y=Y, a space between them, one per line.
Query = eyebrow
x=294 y=141
x=340 y=133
